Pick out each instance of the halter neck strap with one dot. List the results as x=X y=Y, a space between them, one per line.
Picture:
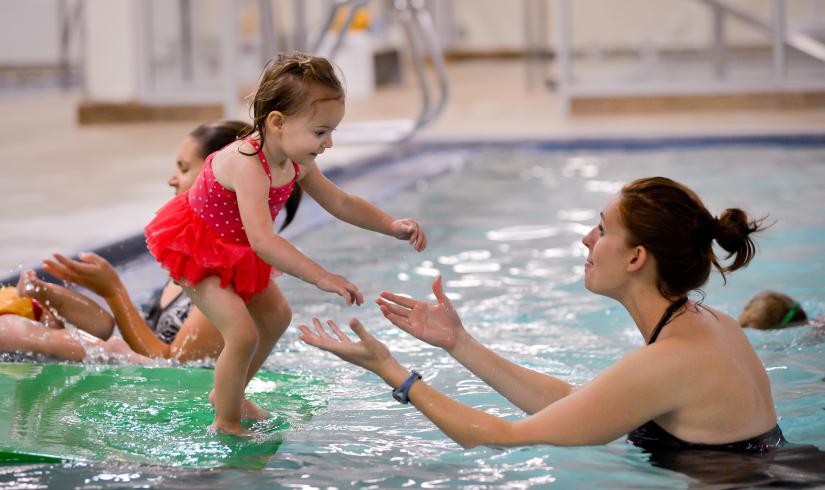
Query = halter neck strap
x=261 y=155
x=666 y=318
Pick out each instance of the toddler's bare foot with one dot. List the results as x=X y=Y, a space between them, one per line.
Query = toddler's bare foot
x=226 y=428
x=249 y=410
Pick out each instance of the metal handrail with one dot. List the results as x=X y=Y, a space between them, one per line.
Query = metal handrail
x=567 y=87
x=353 y=5
x=422 y=39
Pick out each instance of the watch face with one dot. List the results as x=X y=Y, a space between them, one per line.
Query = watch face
x=399 y=397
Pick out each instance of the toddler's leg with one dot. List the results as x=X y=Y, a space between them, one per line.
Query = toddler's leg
x=272 y=314
x=227 y=311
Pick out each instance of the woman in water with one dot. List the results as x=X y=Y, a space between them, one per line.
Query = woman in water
x=696 y=383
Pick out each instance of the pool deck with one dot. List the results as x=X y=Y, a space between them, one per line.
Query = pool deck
x=69 y=188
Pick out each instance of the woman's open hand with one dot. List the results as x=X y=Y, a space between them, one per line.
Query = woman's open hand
x=92 y=272
x=436 y=324
x=407 y=229
x=369 y=353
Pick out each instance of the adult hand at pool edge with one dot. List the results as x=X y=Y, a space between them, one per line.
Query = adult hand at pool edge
x=369 y=353
x=437 y=323
x=407 y=229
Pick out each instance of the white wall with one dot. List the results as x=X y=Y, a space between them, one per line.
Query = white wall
x=110 y=50
x=29 y=33
x=616 y=24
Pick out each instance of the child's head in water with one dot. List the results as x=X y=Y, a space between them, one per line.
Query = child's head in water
x=771 y=310
x=298 y=103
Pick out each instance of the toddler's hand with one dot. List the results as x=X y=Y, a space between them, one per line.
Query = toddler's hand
x=334 y=283
x=407 y=229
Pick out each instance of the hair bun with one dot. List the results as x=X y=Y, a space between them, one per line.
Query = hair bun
x=732 y=235
x=731 y=229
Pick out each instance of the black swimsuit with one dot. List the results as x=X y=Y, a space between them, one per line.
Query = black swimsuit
x=166 y=321
x=653 y=438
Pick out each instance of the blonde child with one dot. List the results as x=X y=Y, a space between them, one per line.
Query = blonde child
x=217 y=239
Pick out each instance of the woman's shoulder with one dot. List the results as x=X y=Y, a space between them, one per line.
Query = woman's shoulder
x=699 y=338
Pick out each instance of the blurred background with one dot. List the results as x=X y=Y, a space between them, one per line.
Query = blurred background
x=96 y=95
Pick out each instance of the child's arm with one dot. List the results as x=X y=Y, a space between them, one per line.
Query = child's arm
x=251 y=186
x=358 y=211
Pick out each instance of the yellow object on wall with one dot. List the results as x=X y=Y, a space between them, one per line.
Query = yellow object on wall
x=360 y=21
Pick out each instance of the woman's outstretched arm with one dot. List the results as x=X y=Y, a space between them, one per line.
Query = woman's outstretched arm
x=438 y=324
x=622 y=398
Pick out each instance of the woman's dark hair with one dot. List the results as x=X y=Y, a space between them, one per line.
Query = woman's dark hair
x=672 y=223
x=213 y=136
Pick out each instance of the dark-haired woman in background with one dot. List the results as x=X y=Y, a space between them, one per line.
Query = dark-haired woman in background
x=696 y=384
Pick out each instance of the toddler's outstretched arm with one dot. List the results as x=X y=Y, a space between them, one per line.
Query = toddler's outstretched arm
x=252 y=188
x=358 y=211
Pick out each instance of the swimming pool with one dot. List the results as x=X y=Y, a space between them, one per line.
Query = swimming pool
x=504 y=229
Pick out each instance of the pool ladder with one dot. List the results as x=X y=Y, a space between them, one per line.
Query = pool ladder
x=423 y=42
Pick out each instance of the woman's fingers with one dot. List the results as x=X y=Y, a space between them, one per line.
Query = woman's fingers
x=92 y=258
x=74 y=265
x=438 y=291
x=399 y=321
x=392 y=308
x=59 y=270
x=307 y=333
x=340 y=333
x=359 y=330
x=400 y=300
x=320 y=328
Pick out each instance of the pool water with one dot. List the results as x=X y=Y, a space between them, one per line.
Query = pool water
x=505 y=231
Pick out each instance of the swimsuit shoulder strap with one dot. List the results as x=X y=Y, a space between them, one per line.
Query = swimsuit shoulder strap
x=261 y=155
x=666 y=318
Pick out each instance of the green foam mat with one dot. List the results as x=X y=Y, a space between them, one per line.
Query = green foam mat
x=154 y=415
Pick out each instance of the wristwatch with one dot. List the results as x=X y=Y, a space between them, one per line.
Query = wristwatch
x=402 y=393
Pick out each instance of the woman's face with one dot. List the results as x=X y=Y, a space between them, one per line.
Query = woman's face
x=188 y=165
x=608 y=258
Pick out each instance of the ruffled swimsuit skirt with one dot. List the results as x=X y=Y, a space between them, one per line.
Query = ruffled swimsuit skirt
x=189 y=241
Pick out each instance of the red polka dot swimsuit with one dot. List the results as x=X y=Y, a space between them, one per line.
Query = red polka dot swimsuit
x=199 y=233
